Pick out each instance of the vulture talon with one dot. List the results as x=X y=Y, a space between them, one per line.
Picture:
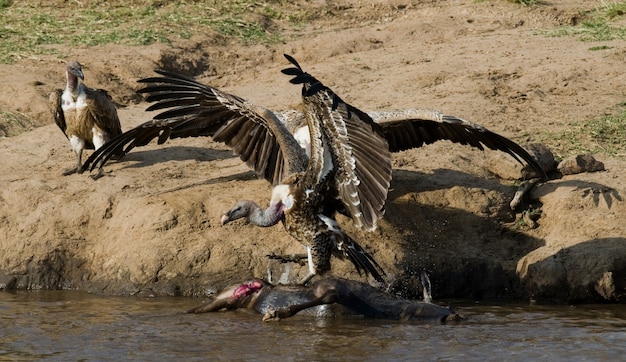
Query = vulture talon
x=98 y=175
x=71 y=171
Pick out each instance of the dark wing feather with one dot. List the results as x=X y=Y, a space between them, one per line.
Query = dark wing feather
x=103 y=111
x=54 y=103
x=361 y=161
x=415 y=127
x=360 y=258
x=192 y=109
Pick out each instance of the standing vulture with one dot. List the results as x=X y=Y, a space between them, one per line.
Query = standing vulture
x=348 y=170
x=86 y=116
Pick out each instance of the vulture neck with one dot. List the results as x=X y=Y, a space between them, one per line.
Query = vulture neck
x=72 y=83
x=268 y=217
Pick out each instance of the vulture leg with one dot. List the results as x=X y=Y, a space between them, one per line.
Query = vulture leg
x=99 y=138
x=306 y=279
x=312 y=271
x=98 y=175
x=71 y=171
x=77 y=145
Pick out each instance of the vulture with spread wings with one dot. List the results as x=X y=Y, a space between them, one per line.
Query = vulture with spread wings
x=330 y=158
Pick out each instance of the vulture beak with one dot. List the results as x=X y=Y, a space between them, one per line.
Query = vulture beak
x=225 y=219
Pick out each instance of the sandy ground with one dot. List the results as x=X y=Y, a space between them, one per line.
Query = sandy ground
x=152 y=225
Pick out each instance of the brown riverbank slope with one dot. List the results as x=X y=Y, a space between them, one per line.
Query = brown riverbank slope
x=152 y=224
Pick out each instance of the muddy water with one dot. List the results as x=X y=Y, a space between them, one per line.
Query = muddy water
x=75 y=326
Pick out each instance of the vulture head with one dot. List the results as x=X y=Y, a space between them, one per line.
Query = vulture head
x=74 y=69
x=242 y=209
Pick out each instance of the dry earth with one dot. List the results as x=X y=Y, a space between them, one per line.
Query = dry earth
x=152 y=225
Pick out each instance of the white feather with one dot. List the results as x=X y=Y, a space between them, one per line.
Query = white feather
x=281 y=194
x=303 y=137
x=98 y=137
x=77 y=144
x=328 y=163
x=330 y=223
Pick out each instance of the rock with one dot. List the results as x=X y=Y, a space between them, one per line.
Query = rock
x=7 y=282
x=579 y=164
x=590 y=271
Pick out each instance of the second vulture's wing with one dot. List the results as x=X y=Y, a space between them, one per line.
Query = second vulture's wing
x=414 y=128
x=192 y=109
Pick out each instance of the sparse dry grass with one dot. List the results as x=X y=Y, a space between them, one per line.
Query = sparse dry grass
x=601 y=24
x=12 y=124
x=605 y=134
x=30 y=27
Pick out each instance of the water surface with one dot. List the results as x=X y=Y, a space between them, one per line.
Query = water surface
x=61 y=325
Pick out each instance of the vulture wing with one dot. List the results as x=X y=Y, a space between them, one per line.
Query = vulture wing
x=192 y=109
x=101 y=109
x=347 y=150
x=414 y=128
x=54 y=103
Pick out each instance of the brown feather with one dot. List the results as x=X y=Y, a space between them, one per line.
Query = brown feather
x=102 y=112
x=54 y=103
